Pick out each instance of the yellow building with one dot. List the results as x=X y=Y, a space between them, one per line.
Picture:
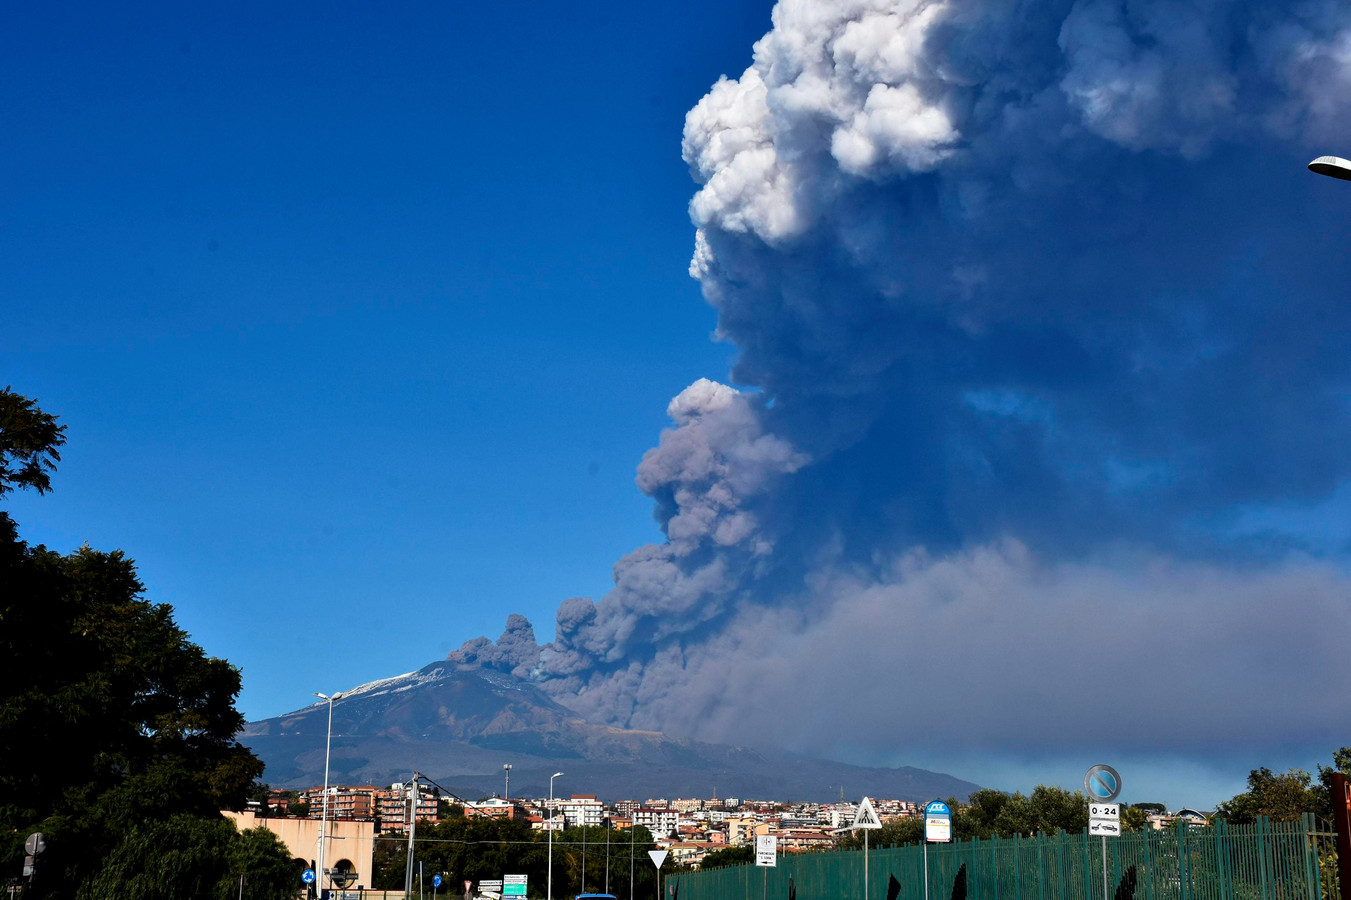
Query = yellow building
x=350 y=841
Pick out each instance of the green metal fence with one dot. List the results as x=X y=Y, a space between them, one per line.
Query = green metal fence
x=1265 y=861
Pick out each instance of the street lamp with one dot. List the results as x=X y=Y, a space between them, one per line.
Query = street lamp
x=328 y=746
x=506 y=767
x=550 y=895
x=1332 y=166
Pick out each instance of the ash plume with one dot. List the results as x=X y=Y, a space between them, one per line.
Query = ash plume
x=1043 y=338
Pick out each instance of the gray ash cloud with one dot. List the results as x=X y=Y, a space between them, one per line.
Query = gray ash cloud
x=1043 y=338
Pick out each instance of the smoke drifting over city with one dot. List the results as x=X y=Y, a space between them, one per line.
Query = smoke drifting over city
x=1040 y=400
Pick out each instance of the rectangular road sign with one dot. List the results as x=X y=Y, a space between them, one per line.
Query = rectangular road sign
x=513 y=885
x=1104 y=819
x=490 y=884
x=766 y=850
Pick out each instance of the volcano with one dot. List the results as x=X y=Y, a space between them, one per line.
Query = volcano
x=458 y=724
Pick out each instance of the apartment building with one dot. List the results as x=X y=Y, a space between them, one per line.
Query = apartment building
x=743 y=829
x=582 y=809
x=495 y=808
x=345 y=802
x=661 y=821
x=391 y=806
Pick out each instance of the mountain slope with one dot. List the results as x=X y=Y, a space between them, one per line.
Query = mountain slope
x=458 y=724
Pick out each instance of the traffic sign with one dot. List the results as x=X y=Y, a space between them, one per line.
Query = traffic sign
x=1102 y=783
x=486 y=885
x=436 y=881
x=36 y=843
x=766 y=850
x=1104 y=819
x=938 y=822
x=866 y=817
x=513 y=885
x=307 y=876
x=658 y=857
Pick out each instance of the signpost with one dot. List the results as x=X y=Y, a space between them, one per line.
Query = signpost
x=938 y=829
x=33 y=847
x=490 y=887
x=436 y=883
x=1103 y=785
x=513 y=885
x=766 y=855
x=658 y=857
x=766 y=850
x=865 y=820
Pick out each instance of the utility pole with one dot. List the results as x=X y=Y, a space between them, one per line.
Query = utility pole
x=412 y=829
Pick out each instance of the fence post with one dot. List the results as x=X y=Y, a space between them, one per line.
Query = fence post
x=1184 y=873
x=1264 y=874
x=1149 y=861
x=994 y=857
x=1222 y=855
x=1088 y=866
x=1310 y=858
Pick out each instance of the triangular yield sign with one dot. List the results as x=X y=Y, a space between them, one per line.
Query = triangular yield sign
x=866 y=817
x=658 y=857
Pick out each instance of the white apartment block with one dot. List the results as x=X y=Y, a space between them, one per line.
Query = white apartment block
x=661 y=821
x=582 y=809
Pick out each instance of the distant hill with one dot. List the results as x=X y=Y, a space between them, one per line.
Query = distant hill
x=458 y=724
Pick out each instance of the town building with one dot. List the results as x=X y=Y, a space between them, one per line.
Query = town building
x=661 y=821
x=582 y=809
x=349 y=845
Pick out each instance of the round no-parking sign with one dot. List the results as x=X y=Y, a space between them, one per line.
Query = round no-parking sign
x=1102 y=783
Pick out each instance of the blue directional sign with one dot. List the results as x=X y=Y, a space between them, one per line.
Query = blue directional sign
x=436 y=881
x=307 y=876
x=937 y=808
x=1102 y=783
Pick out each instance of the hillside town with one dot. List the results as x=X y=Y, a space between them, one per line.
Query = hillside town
x=689 y=828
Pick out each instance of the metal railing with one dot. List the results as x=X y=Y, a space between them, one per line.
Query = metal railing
x=1263 y=861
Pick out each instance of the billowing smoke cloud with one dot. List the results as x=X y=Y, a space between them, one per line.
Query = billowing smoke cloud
x=1045 y=335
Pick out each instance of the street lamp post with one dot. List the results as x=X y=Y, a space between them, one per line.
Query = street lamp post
x=323 y=821
x=1332 y=166
x=550 y=895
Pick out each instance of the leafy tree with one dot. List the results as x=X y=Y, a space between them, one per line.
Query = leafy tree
x=194 y=856
x=728 y=856
x=1046 y=809
x=29 y=439
x=976 y=818
x=1282 y=798
x=268 y=871
x=1134 y=818
x=1341 y=762
x=119 y=721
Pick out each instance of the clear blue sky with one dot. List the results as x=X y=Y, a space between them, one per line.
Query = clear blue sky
x=361 y=321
